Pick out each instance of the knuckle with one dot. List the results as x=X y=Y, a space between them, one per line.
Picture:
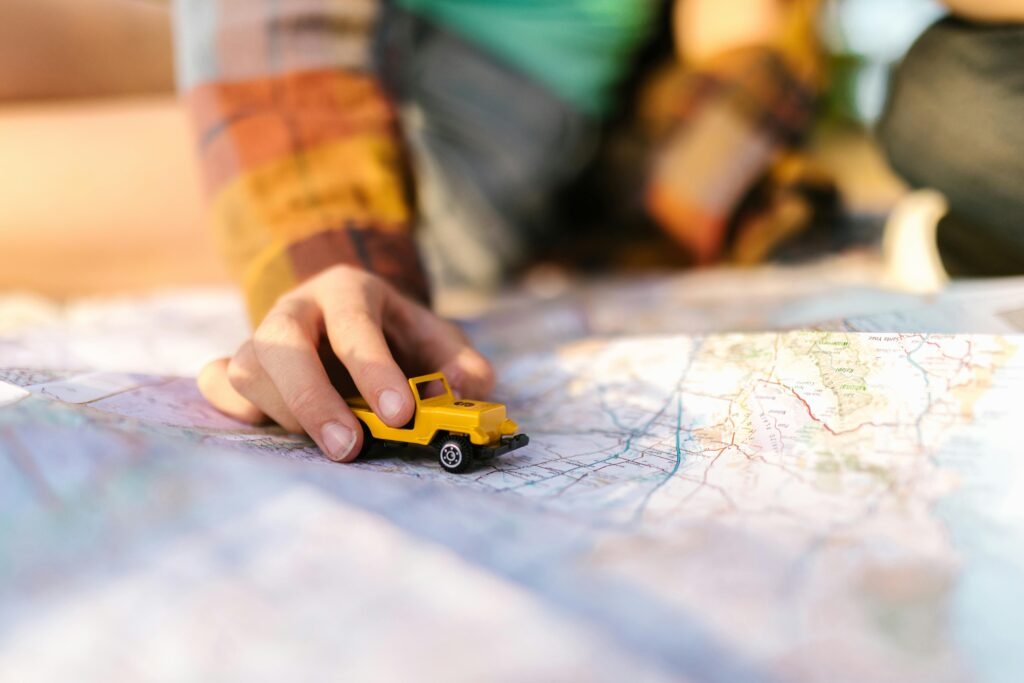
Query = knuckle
x=274 y=330
x=343 y=272
x=348 y=317
x=305 y=404
x=349 y=326
x=373 y=373
x=351 y=282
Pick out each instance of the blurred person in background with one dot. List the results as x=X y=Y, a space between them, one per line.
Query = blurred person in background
x=955 y=123
x=354 y=151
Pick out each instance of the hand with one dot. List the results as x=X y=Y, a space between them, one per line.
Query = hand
x=340 y=331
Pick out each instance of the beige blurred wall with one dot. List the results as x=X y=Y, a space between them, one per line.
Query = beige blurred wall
x=84 y=48
x=100 y=196
x=98 y=183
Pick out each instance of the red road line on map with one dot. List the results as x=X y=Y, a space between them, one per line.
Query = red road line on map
x=814 y=417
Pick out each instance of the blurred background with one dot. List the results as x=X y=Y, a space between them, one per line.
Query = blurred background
x=98 y=186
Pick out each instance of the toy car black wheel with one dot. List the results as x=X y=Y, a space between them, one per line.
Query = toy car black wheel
x=369 y=441
x=455 y=454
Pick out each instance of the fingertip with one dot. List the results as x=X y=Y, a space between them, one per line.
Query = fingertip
x=209 y=375
x=470 y=375
x=357 y=445
x=482 y=371
x=395 y=407
x=341 y=442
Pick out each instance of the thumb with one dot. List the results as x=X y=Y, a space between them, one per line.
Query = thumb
x=215 y=386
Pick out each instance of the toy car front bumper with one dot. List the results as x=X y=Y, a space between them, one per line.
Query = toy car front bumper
x=507 y=443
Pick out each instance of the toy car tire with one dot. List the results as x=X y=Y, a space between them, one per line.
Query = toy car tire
x=369 y=441
x=455 y=454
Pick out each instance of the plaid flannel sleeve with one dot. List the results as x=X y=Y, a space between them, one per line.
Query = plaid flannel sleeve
x=302 y=160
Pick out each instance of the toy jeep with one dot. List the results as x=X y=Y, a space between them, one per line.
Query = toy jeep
x=460 y=431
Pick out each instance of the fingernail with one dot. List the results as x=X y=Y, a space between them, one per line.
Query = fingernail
x=389 y=403
x=338 y=440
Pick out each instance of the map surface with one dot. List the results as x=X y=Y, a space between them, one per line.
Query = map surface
x=782 y=506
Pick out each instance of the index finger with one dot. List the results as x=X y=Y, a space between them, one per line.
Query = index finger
x=285 y=344
x=352 y=318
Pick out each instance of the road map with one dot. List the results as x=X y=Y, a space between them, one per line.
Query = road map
x=809 y=505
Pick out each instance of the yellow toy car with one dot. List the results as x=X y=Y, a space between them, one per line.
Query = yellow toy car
x=460 y=431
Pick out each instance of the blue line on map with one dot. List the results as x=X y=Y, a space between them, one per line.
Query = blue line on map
x=632 y=433
x=927 y=384
x=679 y=430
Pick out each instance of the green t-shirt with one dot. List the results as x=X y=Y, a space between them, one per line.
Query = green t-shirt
x=578 y=48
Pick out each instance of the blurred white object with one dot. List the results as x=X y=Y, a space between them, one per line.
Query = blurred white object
x=877 y=33
x=909 y=247
x=880 y=30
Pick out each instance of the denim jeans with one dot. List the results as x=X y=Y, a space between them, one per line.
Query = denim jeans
x=490 y=149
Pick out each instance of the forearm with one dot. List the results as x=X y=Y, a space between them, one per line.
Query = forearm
x=300 y=149
x=988 y=10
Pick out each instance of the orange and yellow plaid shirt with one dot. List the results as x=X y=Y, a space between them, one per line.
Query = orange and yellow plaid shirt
x=304 y=164
x=302 y=160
